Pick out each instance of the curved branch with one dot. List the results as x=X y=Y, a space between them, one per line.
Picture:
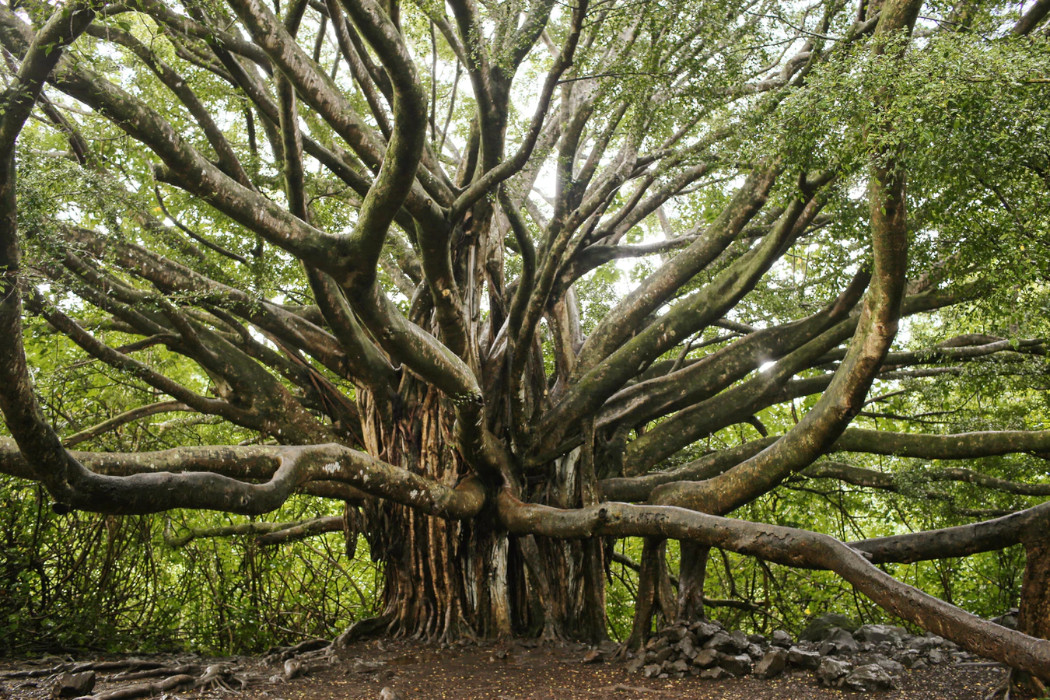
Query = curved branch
x=123 y=419
x=484 y=184
x=870 y=478
x=876 y=329
x=790 y=547
x=960 y=541
x=267 y=533
x=220 y=478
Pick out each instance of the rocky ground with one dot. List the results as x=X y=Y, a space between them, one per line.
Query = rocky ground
x=832 y=659
x=838 y=652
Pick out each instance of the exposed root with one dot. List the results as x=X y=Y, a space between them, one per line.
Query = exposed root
x=362 y=629
x=1002 y=691
x=142 y=690
x=1020 y=681
x=221 y=676
x=284 y=653
x=187 y=669
x=97 y=666
x=137 y=678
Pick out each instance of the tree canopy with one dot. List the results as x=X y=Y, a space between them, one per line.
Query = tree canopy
x=516 y=280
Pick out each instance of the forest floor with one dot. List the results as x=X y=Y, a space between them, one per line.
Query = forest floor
x=392 y=669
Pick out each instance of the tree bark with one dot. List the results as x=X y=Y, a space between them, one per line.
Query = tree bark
x=443 y=579
x=1034 y=616
x=692 y=572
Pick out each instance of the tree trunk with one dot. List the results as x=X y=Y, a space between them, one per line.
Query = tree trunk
x=1034 y=616
x=655 y=599
x=446 y=580
x=692 y=572
x=443 y=579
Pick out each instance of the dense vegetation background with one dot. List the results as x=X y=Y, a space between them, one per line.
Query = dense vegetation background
x=968 y=123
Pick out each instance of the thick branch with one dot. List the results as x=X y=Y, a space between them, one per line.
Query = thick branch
x=790 y=547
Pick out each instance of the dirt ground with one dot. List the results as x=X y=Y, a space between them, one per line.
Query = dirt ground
x=519 y=670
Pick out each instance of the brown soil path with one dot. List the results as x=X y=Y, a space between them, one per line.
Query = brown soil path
x=541 y=672
x=524 y=670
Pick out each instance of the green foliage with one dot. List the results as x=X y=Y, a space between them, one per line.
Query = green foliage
x=82 y=581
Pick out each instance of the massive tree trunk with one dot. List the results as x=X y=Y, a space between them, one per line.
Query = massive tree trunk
x=448 y=579
x=573 y=571
x=443 y=579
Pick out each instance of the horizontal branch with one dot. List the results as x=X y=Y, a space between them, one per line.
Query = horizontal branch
x=871 y=478
x=990 y=443
x=123 y=419
x=791 y=547
x=268 y=533
x=960 y=541
x=246 y=480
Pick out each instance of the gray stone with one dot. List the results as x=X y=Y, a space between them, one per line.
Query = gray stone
x=726 y=643
x=652 y=670
x=772 y=664
x=714 y=673
x=1007 y=619
x=909 y=657
x=658 y=656
x=686 y=648
x=293 y=668
x=705 y=658
x=720 y=641
x=803 y=658
x=840 y=642
x=676 y=633
x=658 y=642
x=894 y=668
x=925 y=643
x=878 y=634
x=704 y=630
x=680 y=666
x=831 y=671
x=71 y=685
x=781 y=638
x=738 y=665
x=936 y=656
x=820 y=628
x=868 y=678
x=389 y=693
x=755 y=651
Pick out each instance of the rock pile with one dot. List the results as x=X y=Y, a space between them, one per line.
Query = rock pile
x=840 y=653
